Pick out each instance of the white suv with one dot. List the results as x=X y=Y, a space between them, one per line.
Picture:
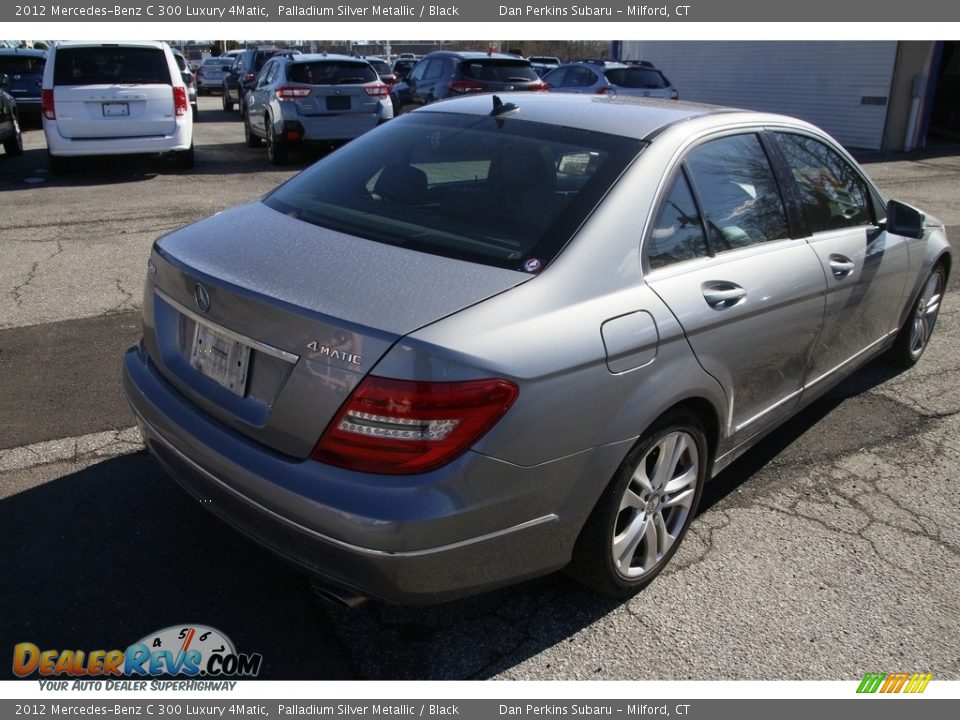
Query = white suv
x=115 y=99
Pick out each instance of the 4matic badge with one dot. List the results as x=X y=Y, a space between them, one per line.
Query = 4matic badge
x=190 y=650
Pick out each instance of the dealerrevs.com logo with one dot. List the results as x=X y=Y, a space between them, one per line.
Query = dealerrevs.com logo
x=194 y=651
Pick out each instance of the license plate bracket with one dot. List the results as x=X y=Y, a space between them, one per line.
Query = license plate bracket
x=220 y=358
x=116 y=109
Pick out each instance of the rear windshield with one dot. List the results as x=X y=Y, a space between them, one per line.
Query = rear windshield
x=636 y=77
x=498 y=70
x=111 y=65
x=381 y=66
x=497 y=191
x=20 y=64
x=327 y=72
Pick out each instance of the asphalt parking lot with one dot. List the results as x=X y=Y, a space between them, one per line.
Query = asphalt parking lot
x=830 y=550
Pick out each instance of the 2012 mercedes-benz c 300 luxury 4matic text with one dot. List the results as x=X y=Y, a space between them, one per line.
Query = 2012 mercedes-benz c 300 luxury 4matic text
x=503 y=335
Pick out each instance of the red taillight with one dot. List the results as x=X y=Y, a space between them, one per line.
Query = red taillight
x=401 y=427
x=46 y=104
x=604 y=90
x=674 y=95
x=379 y=90
x=180 y=104
x=290 y=93
x=538 y=86
x=249 y=77
x=465 y=86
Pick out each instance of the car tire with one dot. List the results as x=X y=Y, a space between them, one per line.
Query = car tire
x=644 y=513
x=196 y=112
x=14 y=146
x=914 y=336
x=277 y=147
x=184 y=158
x=242 y=109
x=251 y=138
x=225 y=101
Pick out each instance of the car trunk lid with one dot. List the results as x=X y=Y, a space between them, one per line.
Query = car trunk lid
x=302 y=313
x=113 y=91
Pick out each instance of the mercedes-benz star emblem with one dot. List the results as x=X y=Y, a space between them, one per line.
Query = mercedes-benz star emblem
x=202 y=297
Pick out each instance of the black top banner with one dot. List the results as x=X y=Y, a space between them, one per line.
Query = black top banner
x=482 y=11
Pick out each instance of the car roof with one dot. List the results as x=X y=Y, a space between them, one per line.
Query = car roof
x=125 y=43
x=314 y=57
x=26 y=52
x=476 y=55
x=641 y=118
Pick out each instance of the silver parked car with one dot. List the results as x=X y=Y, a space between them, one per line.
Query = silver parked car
x=602 y=77
x=210 y=74
x=313 y=98
x=502 y=335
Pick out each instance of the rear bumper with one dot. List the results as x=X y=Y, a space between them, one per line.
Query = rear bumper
x=321 y=128
x=475 y=524
x=180 y=139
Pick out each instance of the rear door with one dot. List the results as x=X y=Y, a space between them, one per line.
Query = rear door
x=748 y=296
x=113 y=91
x=335 y=88
x=865 y=267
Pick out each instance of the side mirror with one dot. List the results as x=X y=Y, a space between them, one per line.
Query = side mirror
x=903 y=219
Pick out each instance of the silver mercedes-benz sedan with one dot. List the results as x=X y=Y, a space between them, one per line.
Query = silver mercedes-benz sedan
x=500 y=336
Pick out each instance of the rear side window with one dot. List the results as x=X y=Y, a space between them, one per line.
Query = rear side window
x=738 y=195
x=678 y=231
x=833 y=193
x=636 y=77
x=21 y=64
x=331 y=73
x=111 y=66
x=498 y=70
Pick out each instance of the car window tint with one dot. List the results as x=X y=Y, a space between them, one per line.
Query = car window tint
x=556 y=78
x=433 y=69
x=14 y=65
x=833 y=193
x=494 y=70
x=473 y=188
x=110 y=65
x=636 y=77
x=581 y=77
x=677 y=233
x=327 y=72
x=737 y=191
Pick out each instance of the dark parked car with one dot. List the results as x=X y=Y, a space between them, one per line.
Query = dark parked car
x=445 y=74
x=9 y=120
x=402 y=67
x=24 y=70
x=243 y=74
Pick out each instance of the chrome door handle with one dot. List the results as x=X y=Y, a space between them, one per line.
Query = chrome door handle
x=841 y=266
x=723 y=295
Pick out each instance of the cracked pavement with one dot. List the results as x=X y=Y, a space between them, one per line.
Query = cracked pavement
x=830 y=550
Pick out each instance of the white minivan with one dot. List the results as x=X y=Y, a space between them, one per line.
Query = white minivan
x=115 y=99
